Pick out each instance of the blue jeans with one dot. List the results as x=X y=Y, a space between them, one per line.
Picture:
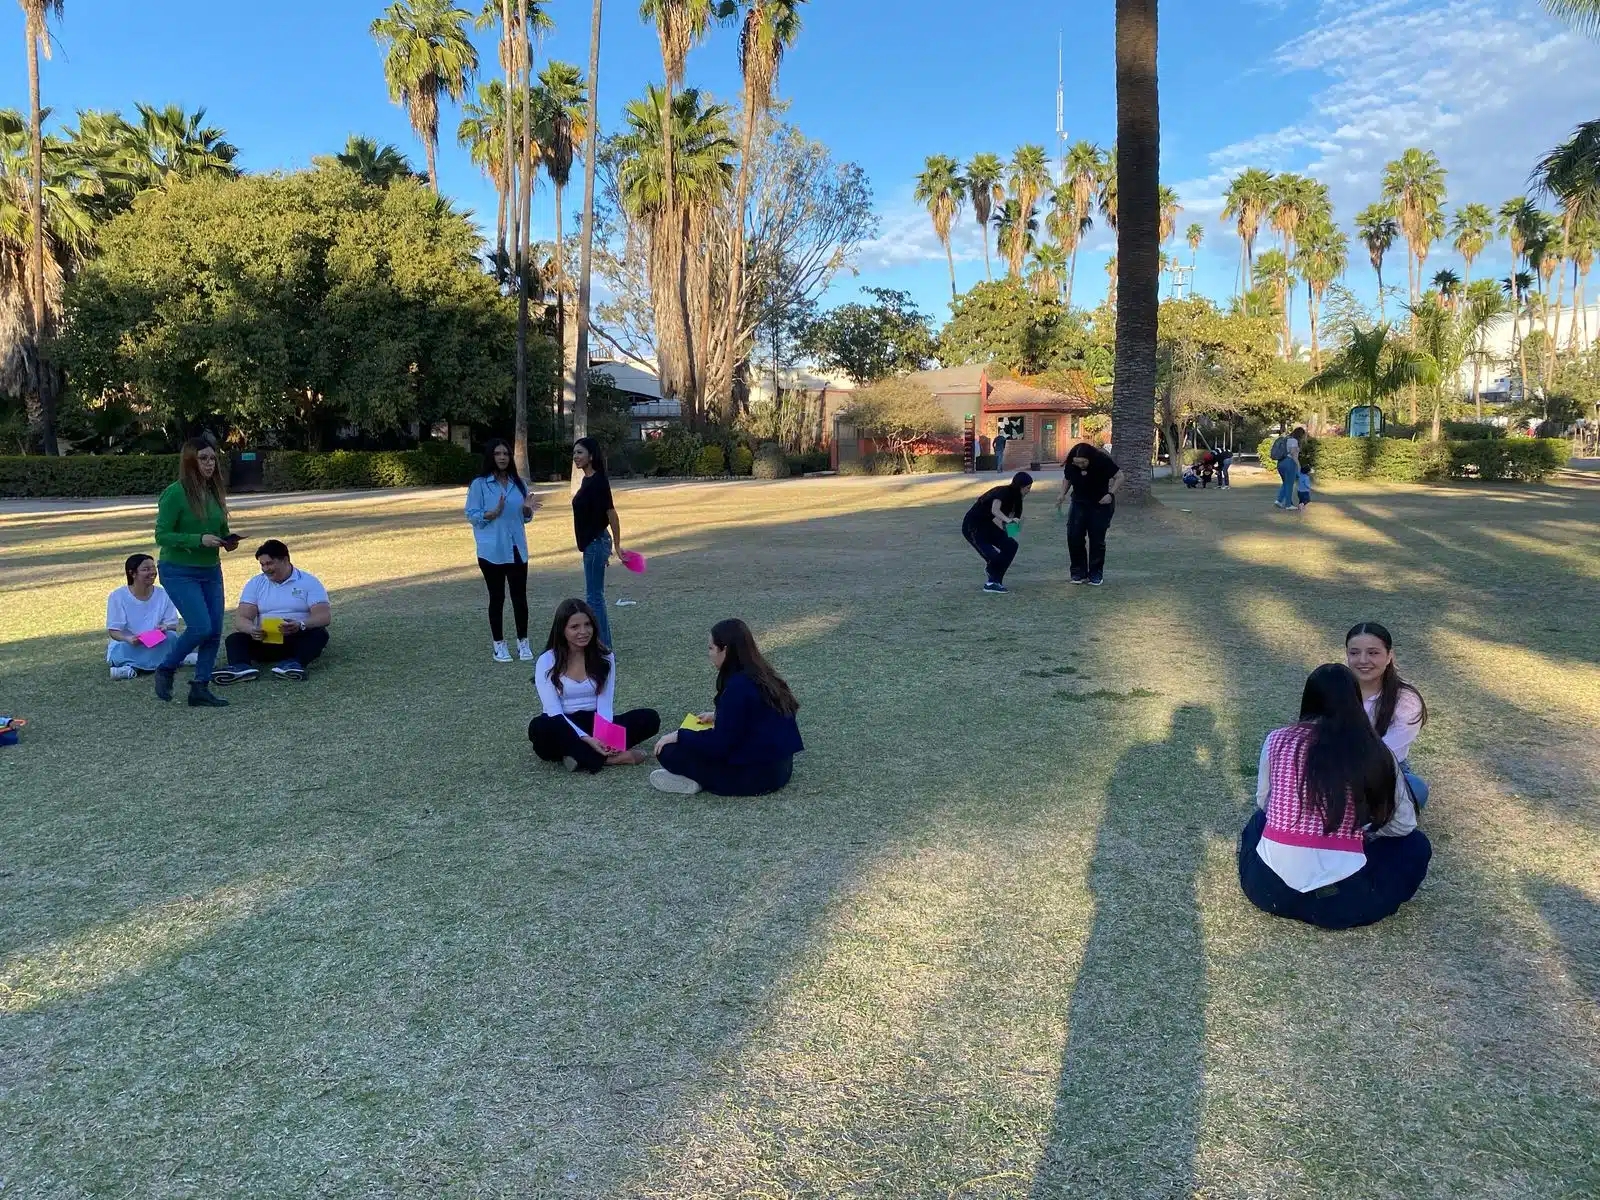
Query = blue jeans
x=138 y=656
x=1289 y=473
x=1419 y=788
x=595 y=556
x=197 y=591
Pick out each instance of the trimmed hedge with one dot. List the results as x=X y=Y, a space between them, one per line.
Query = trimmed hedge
x=711 y=461
x=743 y=461
x=770 y=463
x=810 y=463
x=934 y=464
x=87 y=474
x=1522 y=460
x=441 y=464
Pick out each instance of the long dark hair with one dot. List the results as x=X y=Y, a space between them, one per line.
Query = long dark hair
x=195 y=485
x=595 y=665
x=743 y=655
x=492 y=468
x=597 y=457
x=1393 y=685
x=1011 y=503
x=1345 y=761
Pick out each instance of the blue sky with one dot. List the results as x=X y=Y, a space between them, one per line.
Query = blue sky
x=1332 y=87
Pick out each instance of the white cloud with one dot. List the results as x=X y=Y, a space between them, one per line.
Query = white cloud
x=906 y=237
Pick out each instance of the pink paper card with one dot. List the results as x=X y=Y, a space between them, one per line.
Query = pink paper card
x=152 y=638
x=610 y=735
x=634 y=561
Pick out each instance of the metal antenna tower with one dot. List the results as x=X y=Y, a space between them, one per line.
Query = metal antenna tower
x=1061 y=114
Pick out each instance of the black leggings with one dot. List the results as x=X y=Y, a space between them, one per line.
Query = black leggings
x=497 y=575
x=553 y=739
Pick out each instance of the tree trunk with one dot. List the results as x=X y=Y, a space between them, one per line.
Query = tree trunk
x=41 y=404
x=1311 y=311
x=752 y=118
x=950 y=259
x=1072 y=267
x=432 y=147
x=564 y=380
x=508 y=166
x=1477 y=398
x=1138 y=243
x=1382 y=317
x=525 y=245
x=988 y=272
x=580 y=391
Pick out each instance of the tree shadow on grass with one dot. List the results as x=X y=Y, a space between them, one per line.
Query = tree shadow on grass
x=1127 y=1114
x=1574 y=919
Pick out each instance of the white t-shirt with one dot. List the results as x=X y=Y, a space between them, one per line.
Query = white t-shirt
x=129 y=614
x=293 y=598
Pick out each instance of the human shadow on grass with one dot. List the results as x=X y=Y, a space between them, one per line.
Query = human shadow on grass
x=1127 y=1112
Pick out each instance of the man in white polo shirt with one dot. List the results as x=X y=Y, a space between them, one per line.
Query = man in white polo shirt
x=282 y=619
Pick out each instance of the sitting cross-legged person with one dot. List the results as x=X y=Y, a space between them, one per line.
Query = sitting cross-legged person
x=282 y=619
x=141 y=620
x=576 y=677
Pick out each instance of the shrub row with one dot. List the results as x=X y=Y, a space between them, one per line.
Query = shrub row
x=87 y=474
x=1524 y=460
x=439 y=464
x=895 y=464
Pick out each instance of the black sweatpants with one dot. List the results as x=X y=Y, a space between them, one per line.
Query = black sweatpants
x=302 y=647
x=998 y=548
x=1395 y=870
x=553 y=739
x=498 y=576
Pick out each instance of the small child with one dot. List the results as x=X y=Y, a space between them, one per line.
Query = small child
x=1190 y=479
x=1304 y=495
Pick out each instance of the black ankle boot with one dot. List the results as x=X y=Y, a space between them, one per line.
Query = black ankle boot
x=163 y=684
x=201 y=696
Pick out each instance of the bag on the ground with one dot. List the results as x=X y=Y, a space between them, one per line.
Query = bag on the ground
x=1280 y=448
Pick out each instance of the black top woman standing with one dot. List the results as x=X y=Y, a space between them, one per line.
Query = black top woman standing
x=597 y=527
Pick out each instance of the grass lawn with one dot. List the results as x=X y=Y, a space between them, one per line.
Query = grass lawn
x=349 y=938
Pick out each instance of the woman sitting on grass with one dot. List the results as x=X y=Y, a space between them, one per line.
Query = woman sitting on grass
x=1395 y=707
x=749 y=749
x=1335 y=843
x=577 y=681
x=142 y=607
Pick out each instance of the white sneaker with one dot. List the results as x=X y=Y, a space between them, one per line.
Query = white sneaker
x=524 y=651
x=501 y=654
x=665 y=781
x=123 y=672
x=192 y=659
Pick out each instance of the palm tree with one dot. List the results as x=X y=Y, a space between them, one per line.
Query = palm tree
x=1413 y=184
x=180 y=145
x=1485 y=306
x=1472 y=227
x=681 y=25
x=984 y=189
x=1049 y=269
x=1324 y=255
x=770 y=29
x=580 y=391
x=1585 y=14
x=1372 y=367
x=1585 y=238
x=1375 y=226
x=378 y=166
x=1546 y=253
x=1170 y=211
x=1084 y=168
x=942 y=190
x=1571 y=174
x=1014 y=235
x=36 y=16
x=562 y=124
x=1249 y=198
x=1194 y=235
x=65 y=188
x=1137 y=205
x=483 y=132
x=1108 y=190
x=428 y=54
x=1448 y=284
x=1028 y=179
x=1063 y=224
x=1274 y=272
x=1519 y=221
x=1111 y=281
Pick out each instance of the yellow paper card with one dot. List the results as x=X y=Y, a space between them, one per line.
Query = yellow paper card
x=694 y=724
x=272 y=630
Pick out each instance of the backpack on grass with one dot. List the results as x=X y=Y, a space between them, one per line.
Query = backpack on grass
x=1280 y=448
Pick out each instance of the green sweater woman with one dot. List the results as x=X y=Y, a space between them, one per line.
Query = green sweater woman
x=191 y=526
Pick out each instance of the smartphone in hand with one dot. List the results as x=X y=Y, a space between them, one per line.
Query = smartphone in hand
x=231 y=542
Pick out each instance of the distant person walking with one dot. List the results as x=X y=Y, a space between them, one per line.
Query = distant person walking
x=991 y=525
x=191 y=526
x=1000 y=441
x=1224 y=459
x=499 y=508
x=597 y=527
x=1090 y=480
x=1285 y=453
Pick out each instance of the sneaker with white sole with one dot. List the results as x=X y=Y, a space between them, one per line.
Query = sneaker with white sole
x=525 y=651
x=289 y=670
x=223 y=676
x=192 y=659
x=570 y=763
x=995 y=589
x=501 y=654
x=123 y=672
x=665 y=781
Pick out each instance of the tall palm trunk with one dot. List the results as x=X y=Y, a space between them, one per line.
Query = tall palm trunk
x=724 y=375
x=525 y=244
x=1072 y=266
x=1138 y=242
x=988 y=272
x=950 y=259
x=563 y=376
x=676 y=306
x=1382 y=318
x=1311 y=312
x=40 y=405
x=508 y=164
x=580 y=391
x=1477 y=396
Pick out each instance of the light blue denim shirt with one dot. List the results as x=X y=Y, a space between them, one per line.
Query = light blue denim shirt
x=497 y=539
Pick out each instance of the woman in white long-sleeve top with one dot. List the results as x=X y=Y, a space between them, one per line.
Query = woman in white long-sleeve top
x=576 y=678
x=499 y=508
x=1395 y=707
x=1334 y=841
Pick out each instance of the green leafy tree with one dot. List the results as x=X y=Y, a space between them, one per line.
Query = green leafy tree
x=870 y=342
x=1374 y=366
x=427 y=55
x=899 y=414
x=1007 y=325
x=289 y=306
